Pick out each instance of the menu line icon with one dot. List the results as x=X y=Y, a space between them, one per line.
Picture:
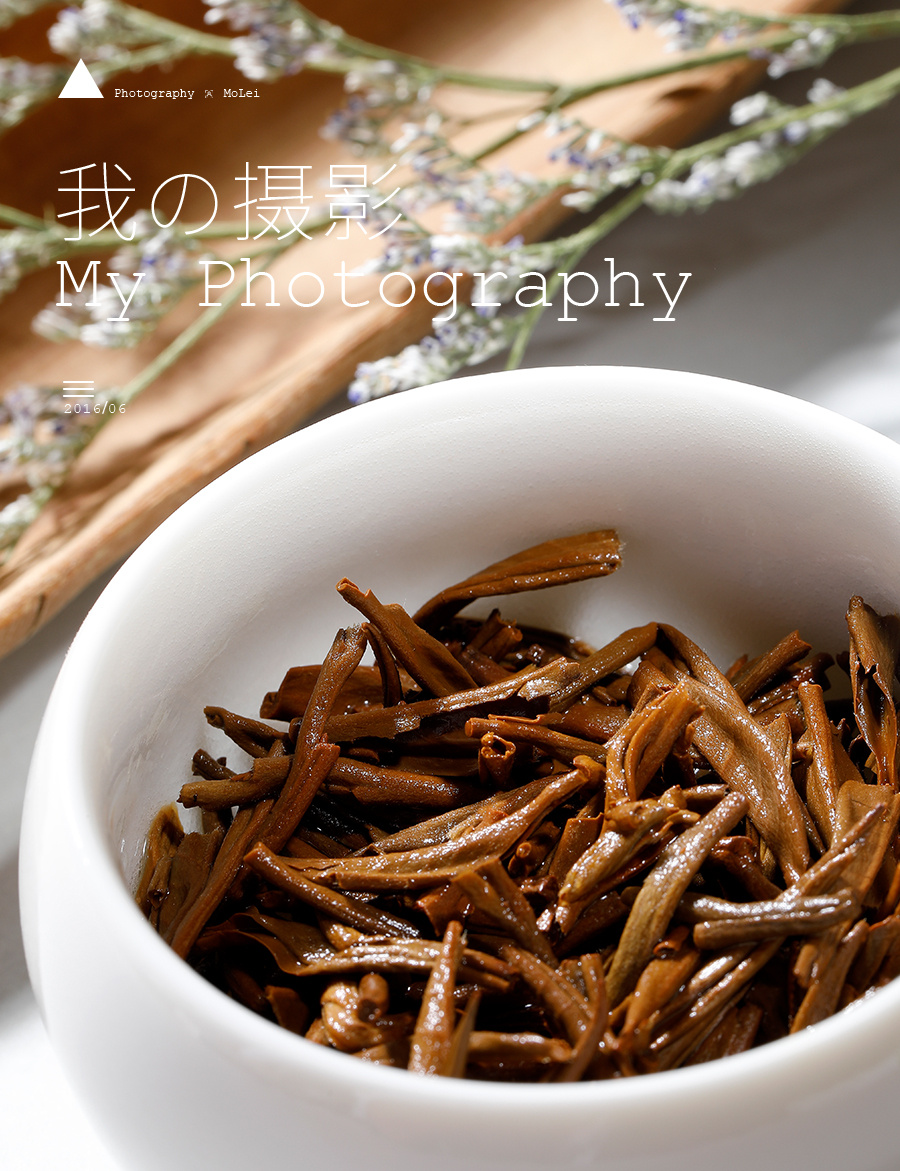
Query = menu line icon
x=73 y=388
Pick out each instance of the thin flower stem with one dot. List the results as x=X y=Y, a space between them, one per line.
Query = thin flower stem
x=518 y=110
x=865 y=27
x=12 y=215
x=439 y=74
x=133 y=60
x=108 y=238
x=161 y=363
x=50 y=235
x=180 y=40
x=748 y=48
x=189 y=336
x=859 y=100
x=867 y=23
x=170 y=30
x=446 y=74
x=868 y=26
x=888 y=25
x=50 y=246
x=579 y=244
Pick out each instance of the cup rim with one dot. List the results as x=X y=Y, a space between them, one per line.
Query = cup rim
x=227 y=1023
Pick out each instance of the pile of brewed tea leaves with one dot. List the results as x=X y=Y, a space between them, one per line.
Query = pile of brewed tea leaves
x=498 y=852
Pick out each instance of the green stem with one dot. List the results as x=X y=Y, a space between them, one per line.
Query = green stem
x=133 y=60
x=353 y=47
x=21 y=219
x=107 y=238
x=57 y=246
x=760 y=45
x=868 y=26
x=888 y=25
x=447 y=74
x=859 y=100
x=867 y=23
x=579 y=244
x=852 y=29
x=190 y=335
x=162 y=362
x=437 y=74
x=179 y=40
x=169 y=30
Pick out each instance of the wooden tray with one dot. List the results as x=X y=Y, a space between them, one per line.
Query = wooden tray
x=262 y=371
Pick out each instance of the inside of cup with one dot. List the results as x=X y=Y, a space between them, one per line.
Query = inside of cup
x=743 y=515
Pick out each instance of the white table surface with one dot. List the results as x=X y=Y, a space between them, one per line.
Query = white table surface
x=796 y=286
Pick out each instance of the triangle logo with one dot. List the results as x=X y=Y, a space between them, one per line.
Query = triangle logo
x=81 y=84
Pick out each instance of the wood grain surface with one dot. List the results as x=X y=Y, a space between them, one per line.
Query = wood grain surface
x=262 y=371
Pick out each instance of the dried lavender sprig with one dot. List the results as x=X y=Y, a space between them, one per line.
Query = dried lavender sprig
x=482 y=201
x=560 y=98
x=284 y=36
x=151 y=273
x=97 y=30
x=94 y=29
x=601 y=162
x=18 y=516
x=13 y=10
x=39 y=433
x=336 y=49
x=478 y=333
x=478 y=199
x=469 y=339
x=795 y=130
x=322 y=45
x=474 y=333
x=278 y=39
x=40 y=437
x=829 y=109
x=25 y=509
x=476 y=208
x=24 y=86
x=433 y=358
x=800 y=44
x=723 y=167
x=854 y=29
x=686 y=26
x=33 y=243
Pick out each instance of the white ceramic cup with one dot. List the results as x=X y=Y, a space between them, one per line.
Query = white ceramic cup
x=743 y=513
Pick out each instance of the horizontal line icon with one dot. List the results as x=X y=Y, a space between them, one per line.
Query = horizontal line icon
x=78 y=388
